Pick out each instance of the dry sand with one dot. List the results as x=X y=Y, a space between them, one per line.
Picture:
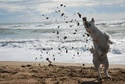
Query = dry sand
x=58 y=73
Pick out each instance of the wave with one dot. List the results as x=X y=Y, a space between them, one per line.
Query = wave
x=26 y=33
x=14 y=43
x=46 y=25
x=6 y=32
x=57 y=39
x=111 y=23
x=118 y=47
x=22 y=25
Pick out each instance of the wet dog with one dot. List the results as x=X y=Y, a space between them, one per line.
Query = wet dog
x=101 y=42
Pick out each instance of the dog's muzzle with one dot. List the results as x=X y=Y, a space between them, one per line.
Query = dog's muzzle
x=86 y=22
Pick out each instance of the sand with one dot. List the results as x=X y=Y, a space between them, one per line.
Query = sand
x=58 y=73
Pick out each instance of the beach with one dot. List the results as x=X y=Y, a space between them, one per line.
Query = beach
x=13 y=72
x=45 y=41
x=27 y=49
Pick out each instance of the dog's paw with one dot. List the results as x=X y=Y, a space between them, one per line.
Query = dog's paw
x=98 y=79
x=109 y=77
x=92 y=50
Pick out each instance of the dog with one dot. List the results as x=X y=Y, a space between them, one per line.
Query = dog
x=101 y=42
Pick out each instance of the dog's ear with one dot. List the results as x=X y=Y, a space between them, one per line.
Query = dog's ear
x=93 y=20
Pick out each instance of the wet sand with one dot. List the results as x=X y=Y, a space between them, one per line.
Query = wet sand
x=57 y=73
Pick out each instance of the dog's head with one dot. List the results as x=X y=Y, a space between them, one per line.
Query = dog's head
x=89 y=25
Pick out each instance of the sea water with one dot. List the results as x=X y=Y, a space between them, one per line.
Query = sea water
x=60 y=42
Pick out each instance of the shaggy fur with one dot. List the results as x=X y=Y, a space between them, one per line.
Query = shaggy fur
x=101 y=43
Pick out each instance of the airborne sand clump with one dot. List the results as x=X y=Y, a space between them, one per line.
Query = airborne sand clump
x=64 y=37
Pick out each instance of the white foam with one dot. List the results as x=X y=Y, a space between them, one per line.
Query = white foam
x=27 y=45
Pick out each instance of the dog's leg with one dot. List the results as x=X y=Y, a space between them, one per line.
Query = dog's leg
x=98 y=69
x=99 y=74
x=97 y=64
x=106 y=65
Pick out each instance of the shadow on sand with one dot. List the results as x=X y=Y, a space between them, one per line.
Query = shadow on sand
x=91 y=82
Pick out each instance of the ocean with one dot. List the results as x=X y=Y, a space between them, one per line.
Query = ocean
x=60 y=42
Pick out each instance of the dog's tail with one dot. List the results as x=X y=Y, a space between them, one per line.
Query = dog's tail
x=108 y=38
x=110 y=42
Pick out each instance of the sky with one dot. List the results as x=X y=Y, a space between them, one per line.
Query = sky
x=12 y=11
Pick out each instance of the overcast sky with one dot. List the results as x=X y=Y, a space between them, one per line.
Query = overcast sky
x=32 y=10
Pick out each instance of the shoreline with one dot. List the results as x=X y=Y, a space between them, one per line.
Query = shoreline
x=19 y=63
